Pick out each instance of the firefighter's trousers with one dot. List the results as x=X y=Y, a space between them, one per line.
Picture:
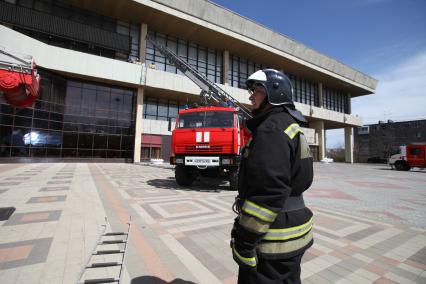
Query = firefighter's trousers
x=283 y=271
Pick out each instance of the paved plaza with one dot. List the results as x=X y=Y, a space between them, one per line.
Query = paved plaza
x=369 y=225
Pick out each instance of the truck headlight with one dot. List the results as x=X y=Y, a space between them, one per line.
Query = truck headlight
x=226 y=161
x=179 y=161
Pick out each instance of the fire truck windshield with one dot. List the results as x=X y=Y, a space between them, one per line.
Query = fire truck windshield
x=206 y=119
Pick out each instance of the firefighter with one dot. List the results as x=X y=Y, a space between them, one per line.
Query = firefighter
x=274 y=227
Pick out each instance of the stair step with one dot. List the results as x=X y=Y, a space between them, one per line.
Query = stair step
x=103 y=264
x=115 y=234
x=112 y=242
x=101 y=280
x=111 y=251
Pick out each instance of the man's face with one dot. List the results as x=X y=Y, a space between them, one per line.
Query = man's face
x=257 y=95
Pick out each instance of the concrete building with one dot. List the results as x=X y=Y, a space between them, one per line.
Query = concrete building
x=107 y=94
x=376 y=142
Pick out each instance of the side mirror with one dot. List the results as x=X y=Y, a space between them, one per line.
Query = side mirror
x=169 y=127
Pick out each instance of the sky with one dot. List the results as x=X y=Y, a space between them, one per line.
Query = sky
x=385 y=39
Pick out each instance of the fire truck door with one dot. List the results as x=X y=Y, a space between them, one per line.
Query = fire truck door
x=416 y=156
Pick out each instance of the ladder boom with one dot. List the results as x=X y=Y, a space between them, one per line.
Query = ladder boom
x=209 y=90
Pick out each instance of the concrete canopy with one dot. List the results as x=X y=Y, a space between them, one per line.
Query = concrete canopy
x=211 y=25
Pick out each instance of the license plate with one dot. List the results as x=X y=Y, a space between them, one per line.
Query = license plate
x=202 y=161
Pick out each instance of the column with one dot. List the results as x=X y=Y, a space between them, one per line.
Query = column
x=318 y=125
x=320 y=97
x=349 y=145
x=225 y=69
x=142 y=42
x=138 y=126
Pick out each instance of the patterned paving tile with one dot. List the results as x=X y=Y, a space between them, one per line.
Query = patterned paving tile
x=47 y=199
x=33 y=217
x=179 y=209
x=382 y=185
x=330 y=194
x=17 y=178
x=145 y=192
x=331 y=223
x=59 y=182
x=384 y=213
x=9 y=183
x=54 y=188
x=62 y=177
x=29 y=252
x=152 y=214
x=419 y=257
x=351 y=246
x=362 y=233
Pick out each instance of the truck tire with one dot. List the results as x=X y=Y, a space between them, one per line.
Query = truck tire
x=233 y=180
x=401 y=166
x=184 y=176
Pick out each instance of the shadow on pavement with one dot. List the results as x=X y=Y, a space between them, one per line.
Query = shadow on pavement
x=386 y=169
x=169 y=183
x=415 y=170
x=206 y=184
x=156 y=280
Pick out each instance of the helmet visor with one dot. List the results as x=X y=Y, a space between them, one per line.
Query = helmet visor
x=256 y=87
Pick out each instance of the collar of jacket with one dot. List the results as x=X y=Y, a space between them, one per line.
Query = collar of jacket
x=253 y=123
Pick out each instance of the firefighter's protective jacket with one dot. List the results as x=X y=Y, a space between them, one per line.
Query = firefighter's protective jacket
x=276 y=167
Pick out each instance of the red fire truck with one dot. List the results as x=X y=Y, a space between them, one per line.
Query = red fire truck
x=410 y=156
x=206 y=140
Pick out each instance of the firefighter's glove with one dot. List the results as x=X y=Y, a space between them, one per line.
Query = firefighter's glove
x=243 y=257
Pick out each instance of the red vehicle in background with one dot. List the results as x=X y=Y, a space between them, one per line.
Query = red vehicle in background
x=19 y=80
x=207 y=142
x=410 y=156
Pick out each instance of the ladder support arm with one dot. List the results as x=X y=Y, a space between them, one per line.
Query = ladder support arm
x=209 y=90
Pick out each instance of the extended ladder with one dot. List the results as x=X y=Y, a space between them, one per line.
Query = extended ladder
x=210 y=91
x=120 y=240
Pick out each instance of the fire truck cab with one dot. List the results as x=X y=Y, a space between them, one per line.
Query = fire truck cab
x=207 y=141
x=410 y=156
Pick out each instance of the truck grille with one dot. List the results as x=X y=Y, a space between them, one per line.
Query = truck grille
x=212 y=149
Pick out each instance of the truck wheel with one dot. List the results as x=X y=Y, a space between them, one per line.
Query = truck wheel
x=233 y=180
x=402 y=166
x=184 y=176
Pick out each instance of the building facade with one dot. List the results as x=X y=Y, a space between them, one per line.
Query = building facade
x=108 y=94
x=376 y=142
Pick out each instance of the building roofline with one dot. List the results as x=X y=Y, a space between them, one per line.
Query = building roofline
x=395 y=121
x=286 y=36
x=294 y=48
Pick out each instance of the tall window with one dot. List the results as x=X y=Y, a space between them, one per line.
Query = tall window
x=206 y=60
x=84 y=30
x=240 y=69
x=161 y=109
x=132 y=31
x=71 y=119
x=304 y=91
x=334 y=100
